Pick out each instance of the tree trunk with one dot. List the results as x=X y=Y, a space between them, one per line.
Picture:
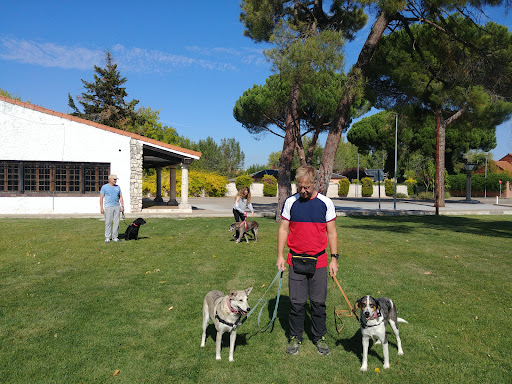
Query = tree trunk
x=355 y=80
x=290 y=140
x=440 y=157
x=441 y=125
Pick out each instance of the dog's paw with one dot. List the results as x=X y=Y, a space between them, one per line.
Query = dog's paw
x=386 y=366
x=400 y=353
x=364 y=368
x=231 y=359
x=218 y=358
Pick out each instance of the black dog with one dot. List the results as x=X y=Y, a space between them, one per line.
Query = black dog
x=132 y=232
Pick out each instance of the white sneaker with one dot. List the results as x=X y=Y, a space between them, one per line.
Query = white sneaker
x=116 y=240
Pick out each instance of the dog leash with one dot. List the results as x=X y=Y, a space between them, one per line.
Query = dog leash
x=341 y=312
x=264 y=303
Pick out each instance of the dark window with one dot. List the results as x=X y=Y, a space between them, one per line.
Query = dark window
x=52 y=177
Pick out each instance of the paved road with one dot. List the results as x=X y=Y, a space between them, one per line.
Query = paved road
x=266 y=206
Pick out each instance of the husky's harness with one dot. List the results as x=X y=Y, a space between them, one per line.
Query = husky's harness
x=227 y=322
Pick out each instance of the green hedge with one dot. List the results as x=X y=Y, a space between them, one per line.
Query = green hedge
x=243 y=181
x=389 y=187
x=343 y=187
x=269 y=185
x=366 y=187
x=478 y=182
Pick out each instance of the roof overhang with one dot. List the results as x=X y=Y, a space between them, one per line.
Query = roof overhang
x=155 y=156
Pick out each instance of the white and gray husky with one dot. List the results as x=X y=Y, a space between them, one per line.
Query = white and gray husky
x=225 y=311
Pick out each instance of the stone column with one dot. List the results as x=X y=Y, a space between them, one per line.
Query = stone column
x=136 y=163
x=158 y=198
x=172 y=184
x=185 y=165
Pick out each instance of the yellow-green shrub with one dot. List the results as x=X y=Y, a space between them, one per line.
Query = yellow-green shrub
x=243 y=181
x=199 y=183
x=343 y=187
x=366 y=187
x=269 y=185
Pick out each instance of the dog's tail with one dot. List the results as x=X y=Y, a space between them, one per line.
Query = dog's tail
x=400 y=320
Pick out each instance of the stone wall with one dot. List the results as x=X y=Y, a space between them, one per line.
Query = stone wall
x=135 y=175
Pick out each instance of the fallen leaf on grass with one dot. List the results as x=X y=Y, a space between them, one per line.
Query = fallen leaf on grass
x=171 y=308
x=163 y=282
x=427 y=273
x=264 y=285
x=214 y=256
x=116 y=372
x=148 y=272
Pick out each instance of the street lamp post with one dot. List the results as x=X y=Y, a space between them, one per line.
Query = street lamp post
x=469 y=168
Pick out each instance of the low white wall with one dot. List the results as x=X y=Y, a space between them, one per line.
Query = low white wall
x=332 y=191
x=50 y=205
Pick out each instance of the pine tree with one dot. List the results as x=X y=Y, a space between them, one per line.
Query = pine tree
x=104 y=99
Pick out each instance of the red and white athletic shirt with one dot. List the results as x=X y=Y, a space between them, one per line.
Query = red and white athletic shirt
x=308 y=225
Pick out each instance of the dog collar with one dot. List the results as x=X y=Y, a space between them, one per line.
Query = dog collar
x=365 y=325
x=135 y=225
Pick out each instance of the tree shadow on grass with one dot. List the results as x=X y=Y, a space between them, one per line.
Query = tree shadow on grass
x=458 y=224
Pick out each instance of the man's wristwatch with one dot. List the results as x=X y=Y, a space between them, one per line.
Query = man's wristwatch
x=335 y=255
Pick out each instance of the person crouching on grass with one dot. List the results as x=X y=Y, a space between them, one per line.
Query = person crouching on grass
x=242 y=201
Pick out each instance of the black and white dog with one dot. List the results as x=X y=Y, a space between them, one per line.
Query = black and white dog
x=375 y=314
x=132 y=232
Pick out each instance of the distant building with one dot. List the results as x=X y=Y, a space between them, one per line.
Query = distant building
x=504 y=165
x=54 y=163
x=258 y=176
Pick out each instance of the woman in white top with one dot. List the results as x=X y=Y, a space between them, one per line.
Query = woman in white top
x=242 y=200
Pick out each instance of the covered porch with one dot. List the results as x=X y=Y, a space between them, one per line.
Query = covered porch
x=157 y=157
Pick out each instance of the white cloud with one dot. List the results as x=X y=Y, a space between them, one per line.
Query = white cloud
x=129 y=59
x=48 y=54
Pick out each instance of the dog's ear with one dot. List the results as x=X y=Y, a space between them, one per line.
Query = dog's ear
x=232 y=293
x=357 y=305
x=248 y=291
x=377 y=304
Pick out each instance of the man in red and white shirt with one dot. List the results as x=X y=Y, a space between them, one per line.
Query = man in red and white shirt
x=307 y=226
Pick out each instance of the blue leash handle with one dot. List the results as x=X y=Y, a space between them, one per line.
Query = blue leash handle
x=264 y=303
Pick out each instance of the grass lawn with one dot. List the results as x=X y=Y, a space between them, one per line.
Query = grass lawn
x=74 y=309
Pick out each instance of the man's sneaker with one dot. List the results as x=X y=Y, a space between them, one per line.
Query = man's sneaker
x=322 y=347
x=293 y=346
x=107 y=240
x=116 y=240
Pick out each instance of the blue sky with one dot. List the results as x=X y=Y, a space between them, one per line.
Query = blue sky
x=189 y=59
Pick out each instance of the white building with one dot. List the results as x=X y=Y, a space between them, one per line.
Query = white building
x=53 y=163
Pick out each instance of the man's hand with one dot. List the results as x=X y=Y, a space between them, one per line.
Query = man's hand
x=333 y=267
x=281 y=263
